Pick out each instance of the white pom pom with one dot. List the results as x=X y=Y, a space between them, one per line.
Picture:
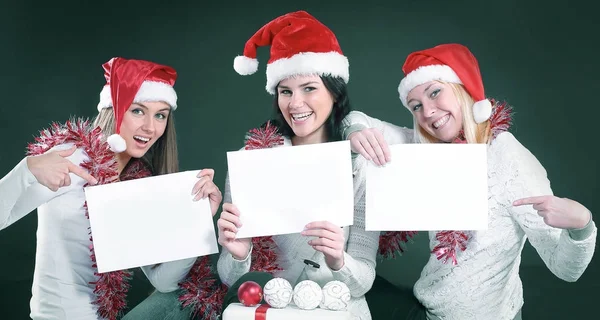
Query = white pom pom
x=307 y=295
x=117 y=143
x=244 y=65
x=482 y=110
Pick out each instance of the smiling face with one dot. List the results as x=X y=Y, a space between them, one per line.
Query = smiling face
x=305 y=104
x=436 y=109
x=142 y=125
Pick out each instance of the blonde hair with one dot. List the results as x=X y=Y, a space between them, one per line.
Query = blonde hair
x=473 y=132
x=162 y=156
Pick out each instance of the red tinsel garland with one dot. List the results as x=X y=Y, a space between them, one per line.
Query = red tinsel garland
x=449 y=242
x=202 y=291
x=264 y=256
x=261 y=138
x=392 y=243
x=111 y=287
x=501 y=118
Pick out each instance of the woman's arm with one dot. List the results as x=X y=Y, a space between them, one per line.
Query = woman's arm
x=21 y=193
x=566 y=253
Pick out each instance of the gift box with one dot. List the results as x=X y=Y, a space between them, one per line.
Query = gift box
x=237 y=311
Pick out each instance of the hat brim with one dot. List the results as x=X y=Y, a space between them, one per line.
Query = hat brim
x=423 y=75
x=307 y=63
x=149 y=91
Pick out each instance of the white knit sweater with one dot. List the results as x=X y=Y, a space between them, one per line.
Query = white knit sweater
x=358 y=272
x=63 y=268
x=485 y=284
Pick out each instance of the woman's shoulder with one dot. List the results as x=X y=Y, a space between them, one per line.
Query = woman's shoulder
x=507 y=151
x=507 y=145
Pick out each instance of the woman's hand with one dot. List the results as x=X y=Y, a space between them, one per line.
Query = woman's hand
x=371 y=145
x=52 y=169
x=205 y=187
x=558 y=212
x=329 y=240
x=228 y=225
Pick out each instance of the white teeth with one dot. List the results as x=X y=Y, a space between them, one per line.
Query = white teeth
x=141 y=138
x=301 y=116
x=441 y=121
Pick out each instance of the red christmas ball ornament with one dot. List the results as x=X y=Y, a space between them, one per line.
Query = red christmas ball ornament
x=250 y=293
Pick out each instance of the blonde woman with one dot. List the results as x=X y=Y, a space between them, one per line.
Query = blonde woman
x=133 y=137
x=443 y=90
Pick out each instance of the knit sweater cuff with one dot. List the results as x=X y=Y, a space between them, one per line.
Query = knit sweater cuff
x=345 y=273
x=246 y=259
x=230 y=269
x=583 y=233
x=351 y=129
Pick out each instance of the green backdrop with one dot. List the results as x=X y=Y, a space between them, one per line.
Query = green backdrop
x=538 y=56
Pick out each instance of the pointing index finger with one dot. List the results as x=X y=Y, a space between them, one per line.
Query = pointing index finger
x=77 y=170
x=530 y=200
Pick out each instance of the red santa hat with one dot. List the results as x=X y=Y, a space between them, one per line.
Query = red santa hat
x=450 y=63
x=129 y=81
x=300 y=45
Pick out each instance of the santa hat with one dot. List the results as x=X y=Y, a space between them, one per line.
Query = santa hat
x=450 y=63
x=129 y=81
x=300 y=45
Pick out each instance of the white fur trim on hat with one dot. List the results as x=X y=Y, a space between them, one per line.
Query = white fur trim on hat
x=244 y=65
x=105 y=100
x=149 y=91
x=423 y=75
x=328 y=63
x=117 y=143
x=482 y=110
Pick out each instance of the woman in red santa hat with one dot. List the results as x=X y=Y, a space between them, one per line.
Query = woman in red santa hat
x=475 y=275
x=132 y=137
x=307 y=74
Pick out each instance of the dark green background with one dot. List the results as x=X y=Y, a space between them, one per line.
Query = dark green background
x=539 y=56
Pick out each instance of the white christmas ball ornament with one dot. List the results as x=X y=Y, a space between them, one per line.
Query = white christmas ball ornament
x=278 y=293
x=336 y=296
x=307 y=295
